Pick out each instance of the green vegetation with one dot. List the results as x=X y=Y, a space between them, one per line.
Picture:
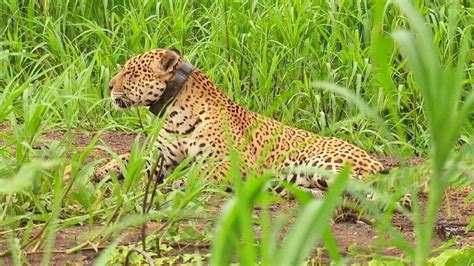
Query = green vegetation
x=395 y=79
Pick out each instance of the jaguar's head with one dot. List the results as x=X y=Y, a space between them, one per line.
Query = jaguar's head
x=143 y=79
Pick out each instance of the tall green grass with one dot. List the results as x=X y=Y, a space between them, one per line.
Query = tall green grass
x=409 y=66
x=67 y=51
x=441 y=86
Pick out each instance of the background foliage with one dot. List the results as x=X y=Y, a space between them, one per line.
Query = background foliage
x=56 y=58
x=264 y=54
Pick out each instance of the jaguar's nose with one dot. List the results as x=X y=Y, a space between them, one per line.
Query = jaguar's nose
x=116 y=82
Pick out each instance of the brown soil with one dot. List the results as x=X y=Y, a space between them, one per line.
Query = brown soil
x=454 y=215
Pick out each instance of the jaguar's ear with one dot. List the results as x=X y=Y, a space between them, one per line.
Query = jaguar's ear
x=176 y=51
x=167 y=61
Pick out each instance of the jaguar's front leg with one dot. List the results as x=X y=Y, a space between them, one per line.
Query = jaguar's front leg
x=111 y=167
x=171 y=154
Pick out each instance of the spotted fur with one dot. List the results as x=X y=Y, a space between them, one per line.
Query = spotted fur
x=196 y=123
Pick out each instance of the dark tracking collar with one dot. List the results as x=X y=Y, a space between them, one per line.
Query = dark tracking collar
x=173 y=87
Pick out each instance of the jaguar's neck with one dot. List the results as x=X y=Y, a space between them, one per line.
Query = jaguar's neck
x=202 y=94
x=201 y=100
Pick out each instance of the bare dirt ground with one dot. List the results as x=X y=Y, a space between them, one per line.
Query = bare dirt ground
x=454 y=215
